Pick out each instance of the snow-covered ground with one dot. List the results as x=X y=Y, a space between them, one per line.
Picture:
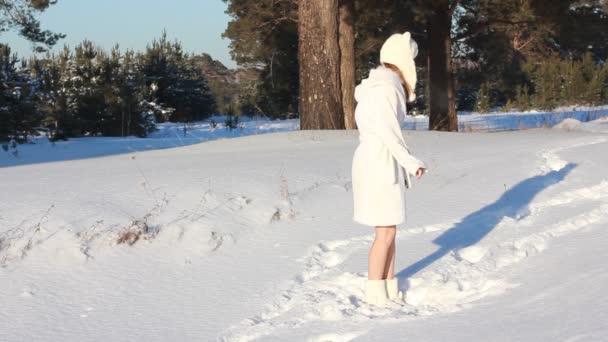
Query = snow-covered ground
x=252 y=239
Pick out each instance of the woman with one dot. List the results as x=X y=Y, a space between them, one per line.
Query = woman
x=382 y=165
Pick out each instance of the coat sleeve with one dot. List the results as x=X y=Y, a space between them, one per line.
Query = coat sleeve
x=388 y=129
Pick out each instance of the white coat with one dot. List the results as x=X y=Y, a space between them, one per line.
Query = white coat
x=382 y=165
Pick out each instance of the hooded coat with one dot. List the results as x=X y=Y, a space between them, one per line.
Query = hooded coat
x=382 y=164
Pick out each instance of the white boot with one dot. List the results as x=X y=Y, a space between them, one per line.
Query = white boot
x=392 y=290
x=375 y=292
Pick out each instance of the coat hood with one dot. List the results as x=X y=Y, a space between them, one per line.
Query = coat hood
x=380 y=77
x=400 y=50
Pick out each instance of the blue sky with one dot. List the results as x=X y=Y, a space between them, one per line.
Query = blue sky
x=198 y=24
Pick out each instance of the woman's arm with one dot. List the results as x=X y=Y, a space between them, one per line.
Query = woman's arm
x=388 y=129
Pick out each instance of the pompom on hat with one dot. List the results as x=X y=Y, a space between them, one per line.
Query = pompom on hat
x=400 y=50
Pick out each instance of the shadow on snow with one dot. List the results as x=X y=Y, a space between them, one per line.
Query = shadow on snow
x=474 y=227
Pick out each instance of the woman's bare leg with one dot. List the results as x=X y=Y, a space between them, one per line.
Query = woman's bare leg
x=389 y=268
x=379 y=253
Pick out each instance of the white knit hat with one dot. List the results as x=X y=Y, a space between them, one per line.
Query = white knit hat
x=400 y=50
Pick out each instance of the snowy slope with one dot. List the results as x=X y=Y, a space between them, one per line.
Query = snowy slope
x=252 y=239
x=170 y=135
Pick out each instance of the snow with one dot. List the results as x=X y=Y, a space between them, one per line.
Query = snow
x=598 y=125
x=510 y=121
x=172 y=135
x=169 y=135
x=252 y=239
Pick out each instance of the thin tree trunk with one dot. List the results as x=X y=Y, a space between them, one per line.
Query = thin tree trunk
x=320 y=99
x=442 y=105
x=347 y=61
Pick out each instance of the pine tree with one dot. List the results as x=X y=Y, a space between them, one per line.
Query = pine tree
x=18 y=113
x=8 y=124
x=110 y=82
x=559 y=82
x=88 y=102
x=56 y=94
x=192 y=96
x=594 y=77
x=604 y=73
x=264 y=36
x=482 y=105
x=134 y=119
x=174 y=82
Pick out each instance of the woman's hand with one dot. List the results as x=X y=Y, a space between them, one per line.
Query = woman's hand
x=421 y=171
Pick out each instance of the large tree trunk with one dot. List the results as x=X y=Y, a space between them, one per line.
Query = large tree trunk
x=320 y=99
x=347 y=61
x=441 y=83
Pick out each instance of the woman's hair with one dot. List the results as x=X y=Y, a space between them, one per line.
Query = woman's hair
x=408 y=89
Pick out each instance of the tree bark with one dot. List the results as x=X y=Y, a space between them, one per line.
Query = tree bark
x=441 y=80
x=347 y=60
x=320 y=99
